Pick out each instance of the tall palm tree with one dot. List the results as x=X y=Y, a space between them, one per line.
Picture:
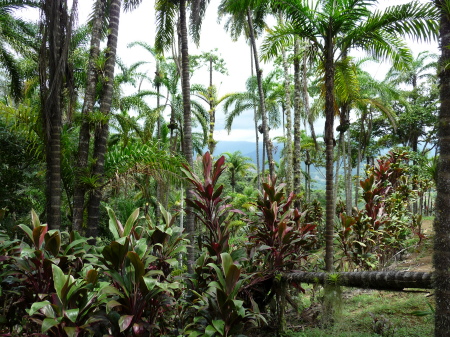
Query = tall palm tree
x=237 y=25
x=441 y=255
x=102 y=129
x=237 y=165
x=88 y=105
x=166 y=12
x=53 y=69
x=210 y=97
x=237 y=8
x=333 y=27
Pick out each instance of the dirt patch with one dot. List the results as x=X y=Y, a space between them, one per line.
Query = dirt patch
x=421 y=259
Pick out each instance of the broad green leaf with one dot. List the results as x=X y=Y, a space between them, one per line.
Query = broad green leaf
x=71 y=331
x=227 y=261
x=172 y=262
x=36 y=306
x=59 y=280
x=150 y=283
x=53 y=242
x=154 y=273
x=110 y=290
x=141 y=247
x=219 y=325
x=139 y=267
x=73 y=244
x=48 y=323
x=219 y=274
x=111 y=304
x=239 y=305
x=130 y=222
x=72 y=314
x=210 y=330
x=194 y=334
x=28 y=231
x=232 y=277
x=114 y=226
x=125 y=321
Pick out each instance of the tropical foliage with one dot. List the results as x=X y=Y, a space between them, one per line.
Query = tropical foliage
x=88 y=140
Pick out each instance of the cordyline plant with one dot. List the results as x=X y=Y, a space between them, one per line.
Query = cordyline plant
x=139 y=264
x=208 y=206
x=280 y=234
x=370 y=236
x=222 y=313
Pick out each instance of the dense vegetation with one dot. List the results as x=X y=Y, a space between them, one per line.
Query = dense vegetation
x=208 y=237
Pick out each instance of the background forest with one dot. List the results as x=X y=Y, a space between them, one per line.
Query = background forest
x=142 y=224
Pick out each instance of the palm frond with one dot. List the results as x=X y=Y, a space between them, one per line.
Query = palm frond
x=166 y=15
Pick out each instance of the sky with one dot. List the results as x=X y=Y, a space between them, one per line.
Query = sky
x=139 y=25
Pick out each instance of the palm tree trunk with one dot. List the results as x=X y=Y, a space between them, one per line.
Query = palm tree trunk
x=255 y=118
x=102 y=131
x=348 y=177
x=441 y=257
x=212 y=111
x=187 y=128
x=262 y=105
x=297 y=121
x=287 y=104
x=53 y=61
x=329 y=151
x=381 y=280
x=84 y=138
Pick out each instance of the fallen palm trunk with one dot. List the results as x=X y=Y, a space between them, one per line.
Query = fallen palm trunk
x=389 y=280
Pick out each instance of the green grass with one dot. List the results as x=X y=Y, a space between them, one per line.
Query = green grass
x=396 y=307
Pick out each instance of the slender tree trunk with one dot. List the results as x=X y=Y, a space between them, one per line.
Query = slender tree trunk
x=348 y=177
x=160 y=186
x=212 y=111
x=262 y=104
x=340 y=150
x=441 y=257
x=287 y=105
x=255 y=119
x=329 y=151
x=102 y=131
x=84 y=138
x=297 y=121
x=187 y=128
x=56 y=34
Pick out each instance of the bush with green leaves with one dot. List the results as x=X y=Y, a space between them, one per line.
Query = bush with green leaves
x=372 y=235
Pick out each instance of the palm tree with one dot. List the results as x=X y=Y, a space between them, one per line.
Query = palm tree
x=166 y=12
x=441 y=255
x=238 y=165
x=89 y=100
x=250 y=8
x=209 y=96
x=53 y=69
x=102 y=130
x=333 y=27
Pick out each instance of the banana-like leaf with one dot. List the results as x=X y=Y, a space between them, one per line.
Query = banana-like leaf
x=131 y=221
